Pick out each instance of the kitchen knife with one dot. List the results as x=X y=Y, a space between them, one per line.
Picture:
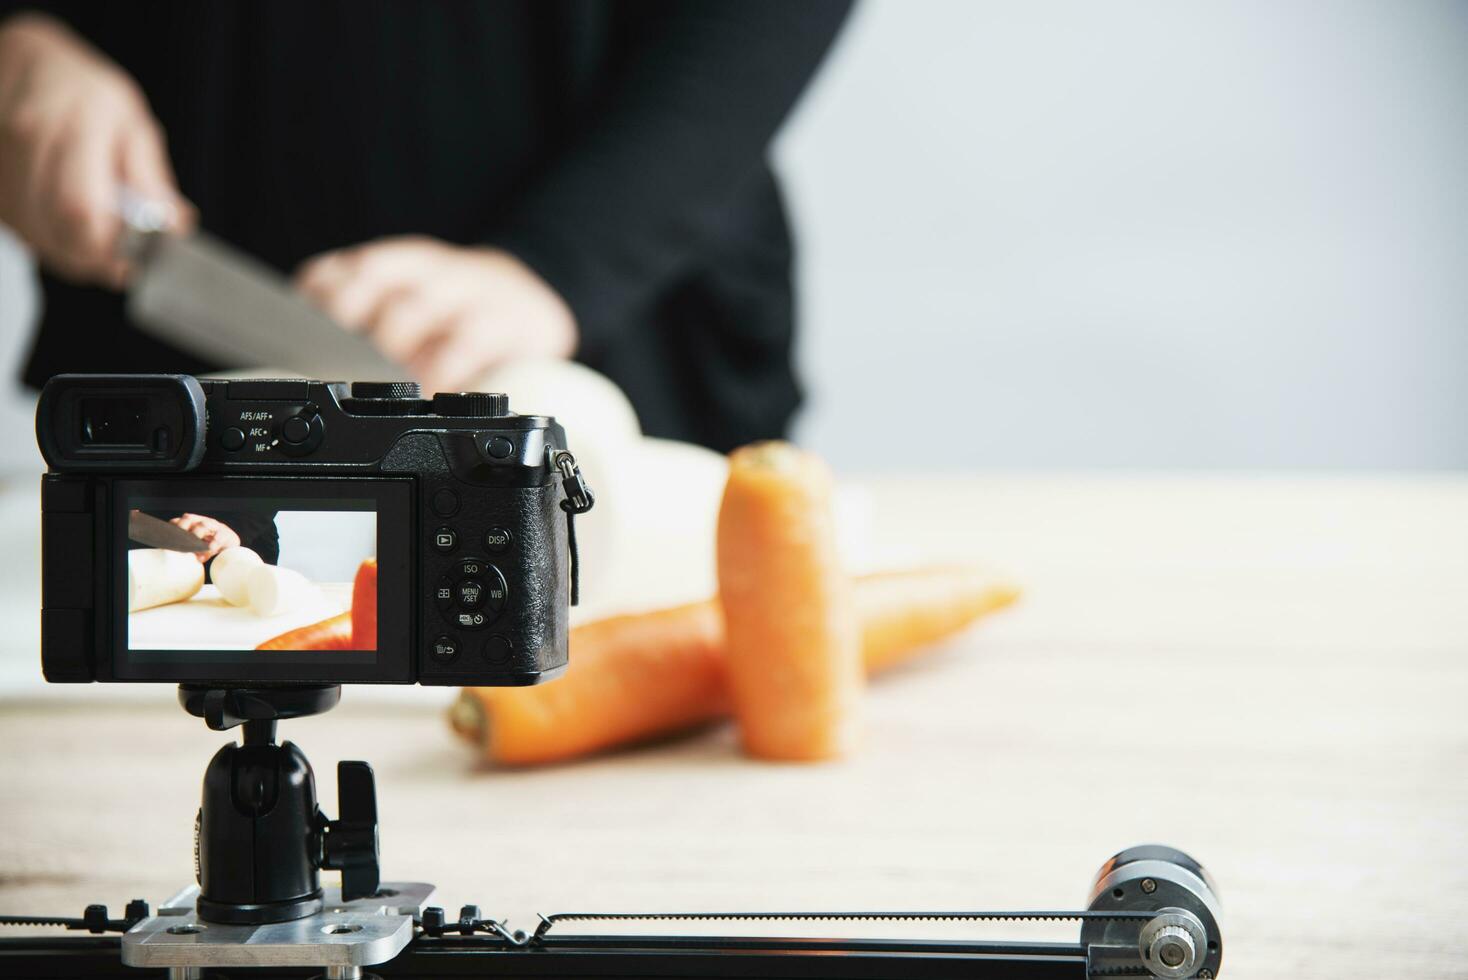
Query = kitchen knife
x=157 y=533
x=212 y=300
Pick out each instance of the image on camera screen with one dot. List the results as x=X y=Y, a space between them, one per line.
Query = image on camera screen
x=239 y=575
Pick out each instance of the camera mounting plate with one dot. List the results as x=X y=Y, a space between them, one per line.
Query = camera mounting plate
x=344 y=934
x=223 y=708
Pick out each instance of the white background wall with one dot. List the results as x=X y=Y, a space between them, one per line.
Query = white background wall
x=1138 y=233
x=1141 y=233
x=17 y=312
x=326 y=545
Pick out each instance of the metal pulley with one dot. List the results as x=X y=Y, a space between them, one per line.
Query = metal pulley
x=1181 y=940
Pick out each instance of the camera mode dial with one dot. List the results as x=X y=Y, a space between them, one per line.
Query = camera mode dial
x=471 y=404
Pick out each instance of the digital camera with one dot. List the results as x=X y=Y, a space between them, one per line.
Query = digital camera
x=284 y=532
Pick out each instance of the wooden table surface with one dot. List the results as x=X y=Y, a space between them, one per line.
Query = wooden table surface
x=1270 y=673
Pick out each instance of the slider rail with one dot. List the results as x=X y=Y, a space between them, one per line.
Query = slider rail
x=476 y=947
x=609 y=957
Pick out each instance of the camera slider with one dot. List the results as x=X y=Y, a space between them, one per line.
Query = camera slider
x=260 y=842
x=1152 y=912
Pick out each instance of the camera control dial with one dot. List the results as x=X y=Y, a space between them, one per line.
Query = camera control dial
x=386 y=389
x=385 y=398
x=471 y=404
x=473 y=595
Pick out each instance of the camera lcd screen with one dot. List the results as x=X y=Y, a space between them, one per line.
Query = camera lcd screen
x=261 y=580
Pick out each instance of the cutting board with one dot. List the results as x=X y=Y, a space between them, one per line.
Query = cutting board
x=207 y=622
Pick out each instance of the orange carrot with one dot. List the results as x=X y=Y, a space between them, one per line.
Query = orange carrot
x=651 y=675
x=790 y=637
x=364 y=606
x=630 y=677
x=334 y=633
x=904 y=612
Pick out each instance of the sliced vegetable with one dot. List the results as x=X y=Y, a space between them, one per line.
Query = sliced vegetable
x=355 y=629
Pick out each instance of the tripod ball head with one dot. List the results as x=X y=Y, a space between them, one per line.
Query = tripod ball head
x=260 y=840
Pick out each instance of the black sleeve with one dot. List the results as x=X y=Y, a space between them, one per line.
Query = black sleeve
x=687 y=115
x=256 y=529
x=8 y=7
x=81 y=18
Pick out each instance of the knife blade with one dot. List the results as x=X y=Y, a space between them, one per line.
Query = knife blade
x=210 y=299
x=157 y=533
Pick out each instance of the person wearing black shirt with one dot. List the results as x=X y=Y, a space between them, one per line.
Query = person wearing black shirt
x=467 y=183
x=222 y=529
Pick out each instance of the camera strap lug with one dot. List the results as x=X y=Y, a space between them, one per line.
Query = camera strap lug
x=579 y=499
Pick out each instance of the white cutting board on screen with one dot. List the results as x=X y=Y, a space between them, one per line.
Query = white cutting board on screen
x=207 y=622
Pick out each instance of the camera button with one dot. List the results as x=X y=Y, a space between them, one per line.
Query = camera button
x=232 y=439
x=470 y=620
x=445 y=539
x=445 y=648
x=499 y=447
x=295 y=430
x=497 y=649
x=444 y=594
x=445 y=503
x=498 y=540
x=469 y=593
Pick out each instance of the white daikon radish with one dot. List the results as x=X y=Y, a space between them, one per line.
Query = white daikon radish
x=275 y=590
x=590 y=405
x=156 y=577
x=229 y=571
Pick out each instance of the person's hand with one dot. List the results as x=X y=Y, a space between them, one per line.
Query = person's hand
x=446 y=312
x=74 y=129
x=216 y=534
